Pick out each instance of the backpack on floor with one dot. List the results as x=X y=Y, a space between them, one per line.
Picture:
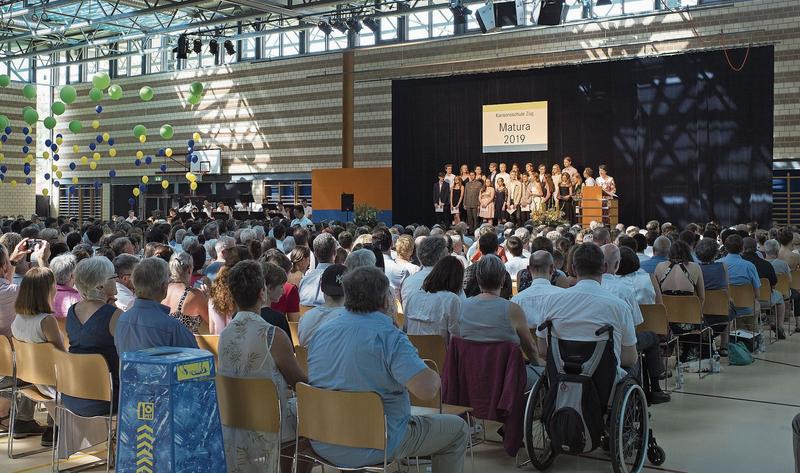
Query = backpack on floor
x=738 y=354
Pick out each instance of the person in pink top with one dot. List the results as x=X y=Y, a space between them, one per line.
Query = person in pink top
x=63 y=267
x=8 y=290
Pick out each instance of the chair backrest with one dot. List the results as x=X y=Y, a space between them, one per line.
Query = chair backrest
x=294 y=329
x=783 y=285
x=795 y=283
x=430 y=347
x=208 y=342
x=683 y=309
x=6 y=357
x=83 y=376
x=765 y=291
x=742 y=295
x=35 y=362
x=301 y=353
x=655 y=319
x=304 y=309
x=348 y=419
x=716 y=302
x=436 y=402
x=249 y=403
x=62 y=327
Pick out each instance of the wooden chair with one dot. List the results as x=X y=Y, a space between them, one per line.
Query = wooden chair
x=304 y=309
x=34 y=364
x=85 y=377
x=347 y=419
x=795 y=280
x=686 y=310
x=294 y=329
x=399 y=315
x=784 y=288
x=62 y=327
x=6 y=366
x=210 y=343
x=716 y=302
x=655 y=319
x=301 y=353
x=742 y=296
x=430 y=347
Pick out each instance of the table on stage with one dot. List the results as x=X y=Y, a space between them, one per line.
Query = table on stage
x=593 y=206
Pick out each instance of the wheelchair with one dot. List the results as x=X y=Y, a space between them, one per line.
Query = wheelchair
x=589 y=409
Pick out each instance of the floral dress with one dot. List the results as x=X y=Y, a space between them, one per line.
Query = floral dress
x=244 y=352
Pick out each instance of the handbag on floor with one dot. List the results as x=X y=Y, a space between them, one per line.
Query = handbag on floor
x=738 y=354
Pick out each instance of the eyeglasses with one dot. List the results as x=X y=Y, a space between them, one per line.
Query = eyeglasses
x=113 y=276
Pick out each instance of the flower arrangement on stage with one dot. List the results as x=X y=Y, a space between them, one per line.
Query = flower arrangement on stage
x=366 y=215
x=551 y=217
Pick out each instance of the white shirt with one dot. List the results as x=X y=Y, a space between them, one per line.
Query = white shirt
x=623 y=288
x=304 y=222
x=450 y=179
x=308 y=211
x=125 y=297
x=515 y=264
x=571 y=171
x=312 y=320
x=434 y=313
x=395 y=273
x=589 y=182
x=531 y=300
x=643 y=286
x=502 y=175
x=648 y=252
x=413 y=283
x=407 y=266
x=310 y=292
x=642 y=257
x=584 y=308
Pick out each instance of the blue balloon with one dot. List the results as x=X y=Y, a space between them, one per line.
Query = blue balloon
x=148 y=160
x=98 y=109
x=3 y=138
x=194 y=159
x=56 y=157
x=188 y=158
x=28 y=139
x=47 y=142
x=25 y=130
x=71 y=189
x=28 y=180
x=4 y=169
x=25 y=149
x=163 y=168
x=112 y=173
x=190 y=143
x=132 y=201
x=47 y=176
x=138 y=162
x=143 y=187
x=72 y=166
x=99 y=138
x=98 y=184
x=161 y=152
x=56 y=183
x=111 y=142
x=189 y=149
x=92 y=146
x=8 y=130
x=59 y=135
x=53 y=147
x=2 y=176
x=26 y=171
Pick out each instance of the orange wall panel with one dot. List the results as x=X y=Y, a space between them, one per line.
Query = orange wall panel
x=371 y=186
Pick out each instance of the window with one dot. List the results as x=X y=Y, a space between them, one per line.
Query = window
x=154 y=59
x=366 y=37
x=249 y=46
x=272 y=45
x=74 y=70
x=389 y=28
x=290 y=43
x=418 y=25
x=122 y=63
x=317 y=41
x=441 y=23
x=337 y=40
x=20 y=69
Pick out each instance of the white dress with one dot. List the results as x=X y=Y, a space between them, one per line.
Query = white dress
x=433 y=313
x=244 y=352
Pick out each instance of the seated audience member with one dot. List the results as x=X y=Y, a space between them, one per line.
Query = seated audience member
x=147 y=324
x=288 y=304
x=679 y=276
x=249 y=347
x=766 y=271
x=435 y=309
x=740 y=271
x=792 y=259
x=63 y=268
x=581 y=310
x=382 y=242
x=301 y=259
x=123 y=266
x=644 y=284
x=221 y=247
x=274 y=277
x=331 y=286
x=661 y=247
x=186 y=304
x=771 y=249
x=35 y=323
x=221 y=308
x=404 y=246
x=198 y=254
x=360 y=258
x=324 y=253
x=615 y=284
x=488 y=246
x=516 y=261
x=715 y=277
x=429 y=251
x=361 y=350
x=489 y=317
x=641 y=246
x=559 y=278
x=541 y=268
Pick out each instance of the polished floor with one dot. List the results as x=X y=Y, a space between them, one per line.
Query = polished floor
x=738 y=421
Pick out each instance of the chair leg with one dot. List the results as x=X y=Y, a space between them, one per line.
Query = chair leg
x=471 y=449
x=13 y=418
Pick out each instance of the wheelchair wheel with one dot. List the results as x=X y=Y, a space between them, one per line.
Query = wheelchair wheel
x=537 y=442
x=629 y=428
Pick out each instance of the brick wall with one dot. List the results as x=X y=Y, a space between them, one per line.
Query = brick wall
x=19 y=199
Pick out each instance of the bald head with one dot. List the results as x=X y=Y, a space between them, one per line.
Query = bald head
x=541 y=265
x=661 y=246
x=610 y=258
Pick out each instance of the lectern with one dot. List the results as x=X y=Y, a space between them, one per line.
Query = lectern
x=594 y=206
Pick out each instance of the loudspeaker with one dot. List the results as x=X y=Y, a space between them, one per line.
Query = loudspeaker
x=347 y=202
x=552 y=12
x=485 y=17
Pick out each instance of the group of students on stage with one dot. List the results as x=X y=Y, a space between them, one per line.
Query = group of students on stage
x=502 y=195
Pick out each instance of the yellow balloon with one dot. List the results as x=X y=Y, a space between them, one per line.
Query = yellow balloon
x=59 y=174
x=136 y=192
x=95 y=124
x=96 y=156
x=29 y=158
x=142 y=138
x=193 y=186
x=93 y=165
x=14 y=183
x=196 y=136
x=106 y=136
x=112 y=152
x=59 y=140
x=54 y=168
x=190 y=177
x=2 y=157
x=165 y=183
x=45 y=192
x=145 y=179
x=84 y=160
x=168 y=152
x=75 y=149
x=46 y=154
x=139 y=154
x=74 y=180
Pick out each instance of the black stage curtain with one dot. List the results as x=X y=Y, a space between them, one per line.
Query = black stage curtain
x=687 y=138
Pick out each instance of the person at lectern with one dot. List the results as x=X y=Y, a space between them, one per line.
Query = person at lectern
x=472 y=195
x=441 y=199
x=588 y=176
x=606 y=182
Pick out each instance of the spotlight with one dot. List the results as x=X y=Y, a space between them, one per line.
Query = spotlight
x=354 y=24
x=324 y=27
x=339 y=25
x=197 y=46
x=183 y=47
x=372 y=23
x=228 y=44
x=213 y=47
x=604 y=3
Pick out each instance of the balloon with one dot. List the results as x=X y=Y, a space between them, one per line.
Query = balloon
x=95 y=94
x=3 y=169
x=112 y=152
x=166 y=131
x=55 y=157
x=168 y=152
x=25 y=149
x=84 y=160
x=54 y=168
x=98 y=109
x=101 y=80
x=190 y=177
x=115 y=92
x=194 y=99
x=112 y=173
x=196 y=88
x=132 y=201
x=59 y=174
x=28 y=140
x=95 y=124
x=106 y=137
x=3 y=121
x=45 y=192
x=165 y=183
x=145 y=179
x=96 y=156
x=46 y=176
x=47 y=142
x=76 y=149
x=29 y=91
x=148 y=160
x=4 y=80
x=146 y=93
x=136 y=191
x=99 y=138
x=93 y=165
x=14 y=183
x=25 y=130
x=75 y=180
x=59 y=140
x=58 y=108
x=139 y=130
x=143 y=187
x=138 y=162
x=196 y=136
x=161 y=152
x=68 y=94
x=72 y=166
x=92 y=146
x=142 y=139
x=98 y=184
x=193 y=186
x=110 y=141
x=54 y=147
x=139 y=154
x=30 y=116
x=191 y=144
x=49 y=123
x=163 y=168
x=75 y=126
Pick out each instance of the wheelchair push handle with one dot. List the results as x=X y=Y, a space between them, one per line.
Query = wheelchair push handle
x=604 y=329
x=545 y=326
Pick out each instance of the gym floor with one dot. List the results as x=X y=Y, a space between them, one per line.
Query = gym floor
x=738 y=421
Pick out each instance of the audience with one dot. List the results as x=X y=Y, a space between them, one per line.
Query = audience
x=186 y=304
x=324 y=252
x=435 y=309
x=123 y=266
x=430 y=251
x=63 y=268
x=331 y=286
x=274 y=279
x=740 y=271
x=301 y=259
x=488 y=245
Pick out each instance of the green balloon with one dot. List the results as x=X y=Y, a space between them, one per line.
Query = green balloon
x=4 y=80
x=101 y=80
x=115 y=92
x=68 y=94
x=139 y=130
x=194 y=99
x=196 y=88
x=49 y=123
x=58 y=108
x=29 y=91
x=75 y=126
x=29 y=115
x=166 y=131
x=95 y=94
x=3 y=122
x=146 y=93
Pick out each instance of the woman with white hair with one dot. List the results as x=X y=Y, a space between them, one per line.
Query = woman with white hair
x=187 y=304
x=63 y=268
x=360 y=258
